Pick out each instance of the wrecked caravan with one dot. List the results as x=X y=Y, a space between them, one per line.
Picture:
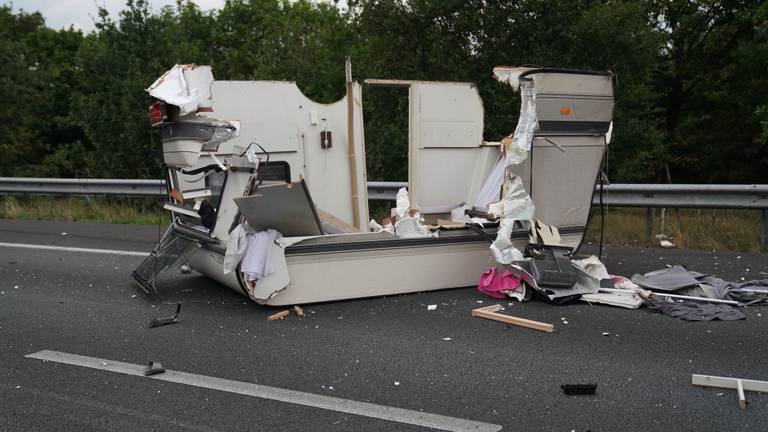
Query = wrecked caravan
x=267 y=189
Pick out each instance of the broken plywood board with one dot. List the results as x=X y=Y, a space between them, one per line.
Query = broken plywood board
x=449 y=224
x=333 y=221
x=285 y=207
x=491 y=313
x=740 y=385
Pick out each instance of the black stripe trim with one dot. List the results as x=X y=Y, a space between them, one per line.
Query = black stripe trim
x=573 y=127
x=565 y=71
x=469 y=237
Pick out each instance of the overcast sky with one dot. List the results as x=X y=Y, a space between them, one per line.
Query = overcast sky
x=80 y=13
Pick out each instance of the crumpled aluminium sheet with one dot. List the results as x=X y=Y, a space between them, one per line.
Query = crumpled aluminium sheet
x=527 y=125
x=517 y=204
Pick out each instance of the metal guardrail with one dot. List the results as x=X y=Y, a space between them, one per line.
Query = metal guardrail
x=62 y=186
x=615 y=195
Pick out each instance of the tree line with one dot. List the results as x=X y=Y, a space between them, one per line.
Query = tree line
x=691 y=77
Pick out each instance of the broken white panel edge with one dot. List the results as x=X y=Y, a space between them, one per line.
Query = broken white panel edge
x=348 y=406
x=509 y=75
x=185 y=86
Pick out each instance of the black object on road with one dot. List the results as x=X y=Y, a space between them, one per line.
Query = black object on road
x=579 y=389
x=157 y=322
x=153 y=368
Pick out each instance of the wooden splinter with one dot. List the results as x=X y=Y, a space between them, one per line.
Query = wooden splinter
x=491 y=313
x=276 y=316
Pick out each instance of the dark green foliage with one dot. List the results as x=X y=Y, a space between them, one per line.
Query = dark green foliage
x=691 y=77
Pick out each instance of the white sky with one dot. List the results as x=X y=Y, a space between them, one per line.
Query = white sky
x=81 y=13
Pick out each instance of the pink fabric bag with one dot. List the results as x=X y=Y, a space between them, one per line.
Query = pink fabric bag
x=494 y=285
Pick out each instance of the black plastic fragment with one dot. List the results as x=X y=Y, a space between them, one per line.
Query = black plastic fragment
x=157 y=322
x=153 y=368
x=579 y=389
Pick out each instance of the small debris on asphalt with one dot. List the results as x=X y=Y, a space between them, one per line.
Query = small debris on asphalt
x=153 y=368
x=278 y=316
x=298 y=311
x=579 y=389
x=606 y=334
x=447 y=339
x=431 y=307
x=157 y=322
x=397 y=383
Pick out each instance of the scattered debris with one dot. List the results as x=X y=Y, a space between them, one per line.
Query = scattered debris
x=298 y=311
x=740 y=385
x=278 y=316
x=397 y=383
x=157 y=322
x=153 y=368
x=606 y=334
x=491 y=313
x=579 y=389
x=666 y=244
x=432 y=307
x=185 y=269
x=447 y=339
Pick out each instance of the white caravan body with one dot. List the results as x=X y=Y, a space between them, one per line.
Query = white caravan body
x=320 y=149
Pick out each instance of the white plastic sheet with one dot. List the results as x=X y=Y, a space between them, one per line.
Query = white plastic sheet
x=490 y=190
x=186 y=86
x=594 y=267
x=407 y=226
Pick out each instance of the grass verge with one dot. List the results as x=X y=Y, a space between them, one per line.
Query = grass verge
x=140 y=211
x=734 y=230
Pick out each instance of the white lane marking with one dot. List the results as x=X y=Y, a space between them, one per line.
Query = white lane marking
x=73 y=249
x=348 y=406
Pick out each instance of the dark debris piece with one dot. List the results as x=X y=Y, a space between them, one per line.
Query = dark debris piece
x=157 y=322
x=153 y=368
x=579 y=389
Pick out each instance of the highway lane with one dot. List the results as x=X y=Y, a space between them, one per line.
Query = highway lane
x=85 y=304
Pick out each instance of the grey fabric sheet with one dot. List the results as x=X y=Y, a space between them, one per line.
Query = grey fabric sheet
x=668 y=279
x=743 y=294
x=696 y=311
x=682 y=281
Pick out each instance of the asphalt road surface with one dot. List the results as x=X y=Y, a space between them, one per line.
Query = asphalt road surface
x=390 y=352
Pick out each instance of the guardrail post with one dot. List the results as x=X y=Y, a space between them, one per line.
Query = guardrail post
x=763 y=223
x=648 y=222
